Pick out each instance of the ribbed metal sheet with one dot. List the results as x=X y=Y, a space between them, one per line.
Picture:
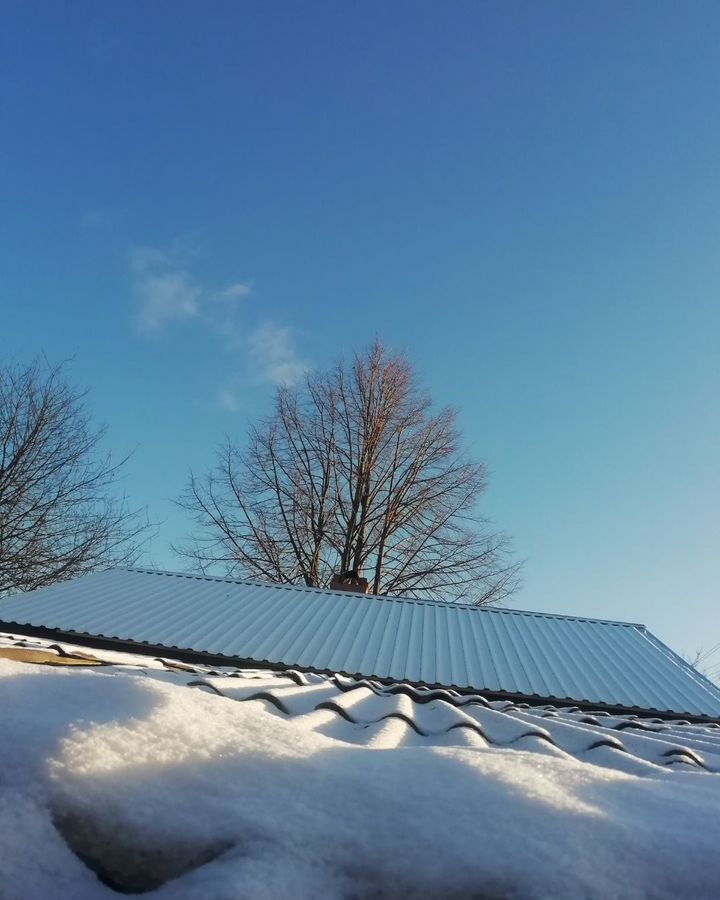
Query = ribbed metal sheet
x=491 y=650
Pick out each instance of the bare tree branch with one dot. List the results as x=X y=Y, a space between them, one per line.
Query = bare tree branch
x=353 y=470
x=60 y=514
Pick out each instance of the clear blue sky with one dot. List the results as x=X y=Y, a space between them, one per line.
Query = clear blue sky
x=199 y=199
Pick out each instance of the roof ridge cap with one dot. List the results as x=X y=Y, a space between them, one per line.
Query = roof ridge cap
x=349 y=595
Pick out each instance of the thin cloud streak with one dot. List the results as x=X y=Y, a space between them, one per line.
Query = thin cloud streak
x=165 y=291
x=236 y=291
x=167 y=294
x=228 y=400
x=166 y=298
x=272 y=351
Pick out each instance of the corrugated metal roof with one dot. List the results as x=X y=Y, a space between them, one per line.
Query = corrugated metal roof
x=492 y=650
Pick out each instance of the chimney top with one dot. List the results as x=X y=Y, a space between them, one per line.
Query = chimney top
x=350 y=581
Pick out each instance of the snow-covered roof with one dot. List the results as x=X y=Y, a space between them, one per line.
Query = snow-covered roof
x=495 y=651
x=225 y=782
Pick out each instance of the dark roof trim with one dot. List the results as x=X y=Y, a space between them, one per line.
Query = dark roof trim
x=195 y=656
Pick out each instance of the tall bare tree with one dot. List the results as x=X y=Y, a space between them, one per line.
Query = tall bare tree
x=60 y=513
x=352 y=471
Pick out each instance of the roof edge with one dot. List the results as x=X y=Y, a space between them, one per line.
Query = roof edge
x=198 y=656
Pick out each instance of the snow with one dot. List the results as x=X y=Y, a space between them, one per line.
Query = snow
x=215 y=799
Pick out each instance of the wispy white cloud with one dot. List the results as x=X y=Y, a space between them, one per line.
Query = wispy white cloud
x=95 y=218
x=167 y=297
x=226 y=314
x=236 y=291
x=229 y=400
x=165 y=291
x=272 y=351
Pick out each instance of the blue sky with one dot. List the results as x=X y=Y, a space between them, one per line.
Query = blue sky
x=199 y=200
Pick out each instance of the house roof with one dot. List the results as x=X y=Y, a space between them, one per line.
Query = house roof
x=493 y=651
x=206 y=781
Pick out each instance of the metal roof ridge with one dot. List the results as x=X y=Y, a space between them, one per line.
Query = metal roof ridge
x=383 y=597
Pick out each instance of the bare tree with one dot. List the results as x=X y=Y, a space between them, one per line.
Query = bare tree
x=700 y=660
x=353 y=471
x=60 y=515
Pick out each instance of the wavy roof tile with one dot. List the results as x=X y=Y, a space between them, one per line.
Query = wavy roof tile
x=368 y=713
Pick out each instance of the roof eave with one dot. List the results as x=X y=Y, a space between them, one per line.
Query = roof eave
x=184 y=654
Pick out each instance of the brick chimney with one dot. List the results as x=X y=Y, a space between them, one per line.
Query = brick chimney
x=350 y=581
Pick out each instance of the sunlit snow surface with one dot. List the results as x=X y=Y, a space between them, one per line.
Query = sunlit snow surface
x=325 y=788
